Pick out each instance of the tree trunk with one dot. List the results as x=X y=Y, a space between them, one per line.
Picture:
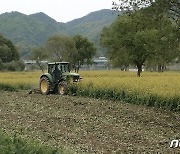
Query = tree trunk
x=163 y=68
x=154 y=69
x=139 y=67
x=159 y=68
x=126 y=68
x=39 y=64
x=77 y=69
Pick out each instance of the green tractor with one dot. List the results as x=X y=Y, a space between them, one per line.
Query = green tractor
x=57 y=78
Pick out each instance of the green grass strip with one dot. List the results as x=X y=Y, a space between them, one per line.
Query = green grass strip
x=16 y=145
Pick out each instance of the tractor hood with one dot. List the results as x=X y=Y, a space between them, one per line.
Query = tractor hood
x=70 y=74
x=72 y=77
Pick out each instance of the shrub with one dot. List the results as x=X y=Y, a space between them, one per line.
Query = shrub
x=16 y=145
x=14 y=66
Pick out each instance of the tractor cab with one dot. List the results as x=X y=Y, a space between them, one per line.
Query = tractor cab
x=57 y=78
x=62 y=66
x=56 y=70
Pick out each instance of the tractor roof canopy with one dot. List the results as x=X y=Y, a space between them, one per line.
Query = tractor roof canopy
x=57 y=63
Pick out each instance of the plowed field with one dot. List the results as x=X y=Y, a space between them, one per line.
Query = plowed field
x=88 y=125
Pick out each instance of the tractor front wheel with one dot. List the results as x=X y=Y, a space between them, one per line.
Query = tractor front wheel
x=44 y=85
x=62 y=88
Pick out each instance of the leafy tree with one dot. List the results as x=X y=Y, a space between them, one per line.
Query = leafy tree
x=127 y=36
x=168 y=41
x=8 y=51
x=14 y=66
x=5 y=53
x=170 y=7
x=20 y=66
x=1 y=64
x=108 y=41
x=60 y=47
x=85 y=51
x=129 y=5
x=77 y=50
x=140 y=37
x=39 y=54
x=169 y=32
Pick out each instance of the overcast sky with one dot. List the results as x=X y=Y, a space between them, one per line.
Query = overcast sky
x=60 y=10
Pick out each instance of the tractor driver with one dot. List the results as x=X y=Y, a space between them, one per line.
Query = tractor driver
x=57 y=73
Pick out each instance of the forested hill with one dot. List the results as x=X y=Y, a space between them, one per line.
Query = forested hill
x=91 y=24
x=21 y=27
x=27 y=31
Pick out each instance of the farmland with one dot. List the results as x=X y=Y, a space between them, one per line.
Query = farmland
x=161 y=84
x=15 y=78
x=88 y=125
x=161 y=90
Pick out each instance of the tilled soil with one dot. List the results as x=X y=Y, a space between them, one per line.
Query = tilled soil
x=89 y=125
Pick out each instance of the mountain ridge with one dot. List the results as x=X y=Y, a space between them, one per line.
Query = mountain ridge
x=27 y=31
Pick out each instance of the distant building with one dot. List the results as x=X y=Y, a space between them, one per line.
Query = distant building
x=100 y=63
x=32 y=65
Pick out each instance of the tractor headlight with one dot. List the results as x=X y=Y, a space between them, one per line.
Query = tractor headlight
x=76 y=79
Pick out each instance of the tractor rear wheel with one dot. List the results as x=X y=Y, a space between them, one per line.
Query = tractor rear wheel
x=62 y=88
x=45 y=85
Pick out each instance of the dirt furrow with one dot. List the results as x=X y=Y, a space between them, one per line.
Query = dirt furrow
x=89 y=125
